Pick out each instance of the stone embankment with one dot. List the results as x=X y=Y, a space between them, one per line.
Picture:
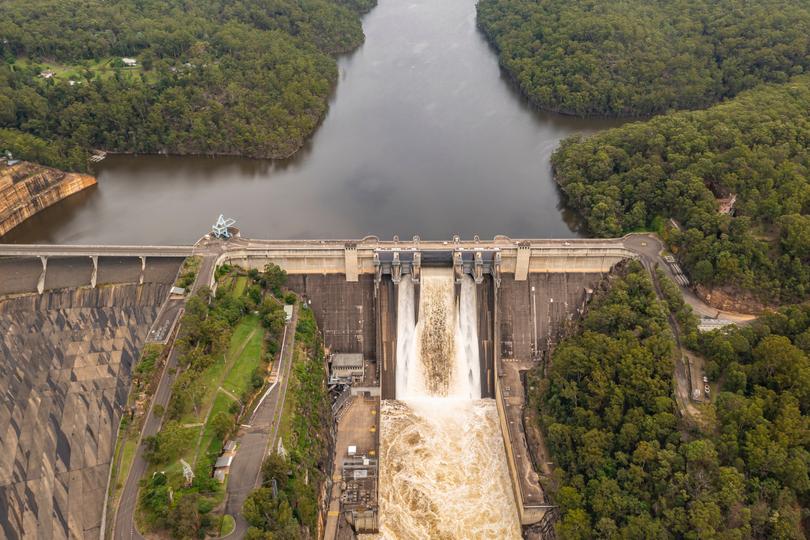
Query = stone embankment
x=26 y=188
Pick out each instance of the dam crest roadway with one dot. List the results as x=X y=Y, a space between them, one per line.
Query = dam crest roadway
x=369 y=255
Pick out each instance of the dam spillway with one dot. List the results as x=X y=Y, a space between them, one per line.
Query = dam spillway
x=444 y=472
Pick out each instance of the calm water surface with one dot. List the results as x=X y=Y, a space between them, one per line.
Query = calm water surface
x=424 y=136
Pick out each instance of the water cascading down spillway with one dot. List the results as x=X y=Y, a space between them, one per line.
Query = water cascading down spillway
x=443 y=463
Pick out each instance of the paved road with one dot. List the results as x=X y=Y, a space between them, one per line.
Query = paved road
x=255 y=441
x=167 y=318
x=35 y=250
x=124 y=527
x=649 y=247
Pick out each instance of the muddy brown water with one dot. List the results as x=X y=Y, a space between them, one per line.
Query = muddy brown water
x=424 y=135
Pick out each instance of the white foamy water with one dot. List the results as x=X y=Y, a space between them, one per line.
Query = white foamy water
x=443 y=471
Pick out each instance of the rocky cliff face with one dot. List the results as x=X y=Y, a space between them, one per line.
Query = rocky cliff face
x=26 y=188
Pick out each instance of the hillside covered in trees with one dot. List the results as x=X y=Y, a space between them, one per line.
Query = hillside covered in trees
x=637 y=58
x=212 y=77
x=628 y=468
x=678 y=165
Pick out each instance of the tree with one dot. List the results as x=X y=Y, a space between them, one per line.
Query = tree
x=184 y=517
x=271 y=514
x=155 y=496
x=223 y=423
x=273 y=278
x=795 y=230
x=169 y=442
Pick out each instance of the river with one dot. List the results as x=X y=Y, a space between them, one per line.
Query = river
x=424 y=135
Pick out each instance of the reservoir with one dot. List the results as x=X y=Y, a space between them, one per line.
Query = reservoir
x=424 y=135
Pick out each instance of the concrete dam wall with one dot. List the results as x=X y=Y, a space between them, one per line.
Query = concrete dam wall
x=27 y=188
x=66 y=358
x=21 y=275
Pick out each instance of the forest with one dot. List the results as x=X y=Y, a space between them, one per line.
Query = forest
x=629 y=467
x=211 y=77
x=678 y=165
x=636 y=58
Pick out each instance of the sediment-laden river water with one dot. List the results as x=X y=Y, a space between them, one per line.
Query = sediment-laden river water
x=443 y=467
x=424 y=136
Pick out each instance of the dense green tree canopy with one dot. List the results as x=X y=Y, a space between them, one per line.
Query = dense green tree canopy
x=634 y=57
x=213 y=77
x=677 y=165
x=629 y=469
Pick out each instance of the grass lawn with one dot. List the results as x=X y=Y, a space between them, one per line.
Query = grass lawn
x=212 y=377
x=228 y=525
x=238 y=379
x=127 y=455
x=229 y=375
x=239 y=286
x=209 y=444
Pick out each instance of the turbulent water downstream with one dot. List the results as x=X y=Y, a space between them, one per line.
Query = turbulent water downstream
x=423 y=136
x=442 y=458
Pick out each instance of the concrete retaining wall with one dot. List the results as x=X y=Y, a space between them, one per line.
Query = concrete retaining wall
x=19 y=274
x=65 y=272
x=118 y=270
x=344 y=311
x=528 y=316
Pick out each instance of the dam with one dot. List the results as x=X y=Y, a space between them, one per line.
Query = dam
x=447 y=329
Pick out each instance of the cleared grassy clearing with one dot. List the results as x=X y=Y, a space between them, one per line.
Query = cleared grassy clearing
x=210 y=445
x=102 y=68
x=239 y=286
x=238 y=380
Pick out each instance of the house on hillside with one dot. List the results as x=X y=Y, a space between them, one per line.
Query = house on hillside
x=726 y=204
x=47 y=74
x=129 y=62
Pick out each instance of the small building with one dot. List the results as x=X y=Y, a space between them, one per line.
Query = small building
x=288 y=312
x=178 y=290
x=224 y=461
x=223 y=466
x=707 y=324
x=129 y=62
x=346 y=368
x=726 y=204
x=47 y=74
